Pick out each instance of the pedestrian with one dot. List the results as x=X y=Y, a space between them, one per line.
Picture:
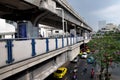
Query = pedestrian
x=75 y=76
x=85 y=69
x=40 y=36
x=92 y=73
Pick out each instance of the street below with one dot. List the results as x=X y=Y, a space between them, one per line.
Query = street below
x=80 y=66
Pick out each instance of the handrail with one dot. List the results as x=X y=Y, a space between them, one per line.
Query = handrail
x=14 y=50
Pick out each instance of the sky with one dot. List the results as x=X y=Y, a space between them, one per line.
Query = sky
x=97 y=10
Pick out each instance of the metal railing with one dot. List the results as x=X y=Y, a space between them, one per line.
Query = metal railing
x=15 y=50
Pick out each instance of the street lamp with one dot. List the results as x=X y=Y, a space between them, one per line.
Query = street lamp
x=62 y=18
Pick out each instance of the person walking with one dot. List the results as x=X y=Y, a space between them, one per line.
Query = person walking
x=92 y=73
x=85 y=69
x=75 y=76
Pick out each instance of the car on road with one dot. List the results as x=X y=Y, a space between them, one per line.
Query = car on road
x=84 y=55
x=60 y=72
x=90 y=60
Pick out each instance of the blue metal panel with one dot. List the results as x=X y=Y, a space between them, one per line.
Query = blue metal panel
x=47 y=44
x=33 y=47
x=67 y=41
x=70 y=40
x=62 y=42
x=9 y=46
x=56 y=43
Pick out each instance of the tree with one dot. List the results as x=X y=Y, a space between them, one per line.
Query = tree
x=106 y=50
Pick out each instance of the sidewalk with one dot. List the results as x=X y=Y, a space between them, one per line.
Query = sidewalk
x=115 y=72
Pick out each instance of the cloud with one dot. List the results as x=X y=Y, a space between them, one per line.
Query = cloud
x=109 y=13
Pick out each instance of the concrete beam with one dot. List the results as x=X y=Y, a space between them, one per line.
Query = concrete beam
x=64 y=54
x=20 y=66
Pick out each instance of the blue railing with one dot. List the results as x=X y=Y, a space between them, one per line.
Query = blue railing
x=14 y=50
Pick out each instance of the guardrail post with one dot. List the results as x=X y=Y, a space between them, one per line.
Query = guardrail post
x=62 y=42
x=47 y=44
x=9 y=46
x=33 y=47
x=56 y=40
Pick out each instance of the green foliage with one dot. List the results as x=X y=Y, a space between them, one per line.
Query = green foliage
x=107 y=44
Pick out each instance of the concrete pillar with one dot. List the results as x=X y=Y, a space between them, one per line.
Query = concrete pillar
x=28 y=75
x=73 y=53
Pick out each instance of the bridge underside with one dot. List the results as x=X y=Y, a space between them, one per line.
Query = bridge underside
x=19 y=10
x=8 y=7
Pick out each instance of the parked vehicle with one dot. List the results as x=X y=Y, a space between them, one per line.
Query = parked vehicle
x=60 y=73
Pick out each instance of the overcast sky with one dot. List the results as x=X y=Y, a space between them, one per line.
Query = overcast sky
x=97 y=10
